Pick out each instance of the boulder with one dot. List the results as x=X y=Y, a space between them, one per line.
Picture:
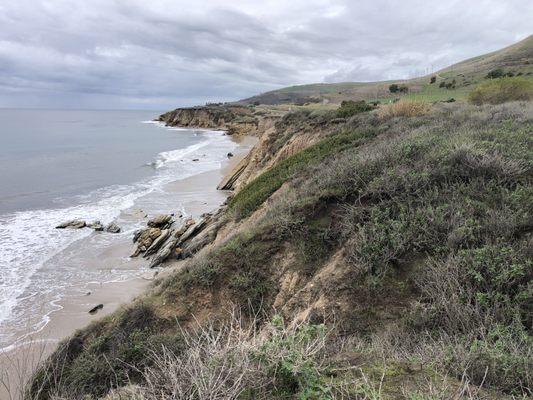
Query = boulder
x=136 y=251
x=186 y=225
x=198 y=242
x=156 y=244
x=193 y=230
x=164 y=252
x=73 y=224
x=112 y=228
x=95 y=309
x=97 y=226
x=160 y=221
x=144 y=239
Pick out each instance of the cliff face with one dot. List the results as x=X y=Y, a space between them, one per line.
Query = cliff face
x=236 y=120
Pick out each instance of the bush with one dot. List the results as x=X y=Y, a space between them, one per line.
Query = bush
x=495 y=73
x=502 y=90
x=433 y=79
x=404 y=108
x=236 y=361
x=349 y=108
x=394 y=88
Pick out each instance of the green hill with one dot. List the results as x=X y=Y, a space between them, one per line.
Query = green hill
x=515 y=59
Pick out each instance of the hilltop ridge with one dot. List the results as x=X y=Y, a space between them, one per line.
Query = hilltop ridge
x=517 y=58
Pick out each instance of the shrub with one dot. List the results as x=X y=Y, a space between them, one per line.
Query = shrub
x=236 y=361
x=404 y=108
x=403 y=89
x=433 y=79
x=502 y=90
x=495 y=73
x=394 y=88
x=349 y=108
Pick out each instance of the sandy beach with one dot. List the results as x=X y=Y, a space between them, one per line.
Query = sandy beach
x=196 y=195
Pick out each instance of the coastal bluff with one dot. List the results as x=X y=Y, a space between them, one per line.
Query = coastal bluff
x=234 y=119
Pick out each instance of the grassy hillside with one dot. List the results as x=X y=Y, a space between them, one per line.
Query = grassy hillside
x=515 y=59
x=389 y=260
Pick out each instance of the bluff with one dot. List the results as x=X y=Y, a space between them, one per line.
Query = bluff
x=381 y=253
x=233 y=119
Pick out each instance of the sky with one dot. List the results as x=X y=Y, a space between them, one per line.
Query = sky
x=162 y=54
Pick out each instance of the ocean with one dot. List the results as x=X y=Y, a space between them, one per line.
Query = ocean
x=57 y=165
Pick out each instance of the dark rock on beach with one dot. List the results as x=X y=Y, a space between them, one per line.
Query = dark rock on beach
x=160 y=221
x=112 y=228
x=97 y=226
x=73 y=224
x=95 y=309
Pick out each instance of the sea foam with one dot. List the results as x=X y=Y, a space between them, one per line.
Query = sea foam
x=29 y=240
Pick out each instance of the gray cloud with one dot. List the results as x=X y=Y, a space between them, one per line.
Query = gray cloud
x=165 y=53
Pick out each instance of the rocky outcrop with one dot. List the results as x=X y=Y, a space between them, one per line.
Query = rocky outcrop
x=234 y=119
x=156 y=244
x=97 y=226
x=162 y=221
x=112 y=228
x=228 y=182
x=73 y=224
x=182 y=242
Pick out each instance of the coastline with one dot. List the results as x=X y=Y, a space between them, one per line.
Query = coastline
x=197 y=194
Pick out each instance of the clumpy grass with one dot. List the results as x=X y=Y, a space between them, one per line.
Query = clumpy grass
x=404 y=108
x=502 y=90
x=254 y=194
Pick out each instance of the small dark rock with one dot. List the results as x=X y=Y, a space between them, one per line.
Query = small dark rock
x=95 y=309
x=97 y=226
x=74 y=224
x=230 y=155
x=112 y=228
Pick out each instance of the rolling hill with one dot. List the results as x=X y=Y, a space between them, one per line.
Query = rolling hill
x=517 y=58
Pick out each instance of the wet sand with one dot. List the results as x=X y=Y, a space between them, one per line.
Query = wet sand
x=197 y=195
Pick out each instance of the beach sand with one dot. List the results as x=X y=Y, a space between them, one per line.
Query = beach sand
x=197 y=195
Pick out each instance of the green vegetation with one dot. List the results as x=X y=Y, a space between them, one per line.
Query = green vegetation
x=502 y=90
x=402 y=240
x=109 y=353
x=349 y=108
x=432 y=93
x=495 y=73
x=253 y=195
x=395 y=88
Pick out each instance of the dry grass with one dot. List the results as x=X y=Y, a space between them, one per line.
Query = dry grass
x=404 y=108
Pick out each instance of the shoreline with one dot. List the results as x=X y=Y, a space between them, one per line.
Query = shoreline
x=196 y=194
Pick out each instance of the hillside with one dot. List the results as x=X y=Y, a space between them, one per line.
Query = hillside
x=366 y=252
x=517 y=59
x=409 y=238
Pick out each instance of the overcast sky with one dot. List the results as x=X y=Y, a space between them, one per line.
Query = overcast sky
x=159 y=54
